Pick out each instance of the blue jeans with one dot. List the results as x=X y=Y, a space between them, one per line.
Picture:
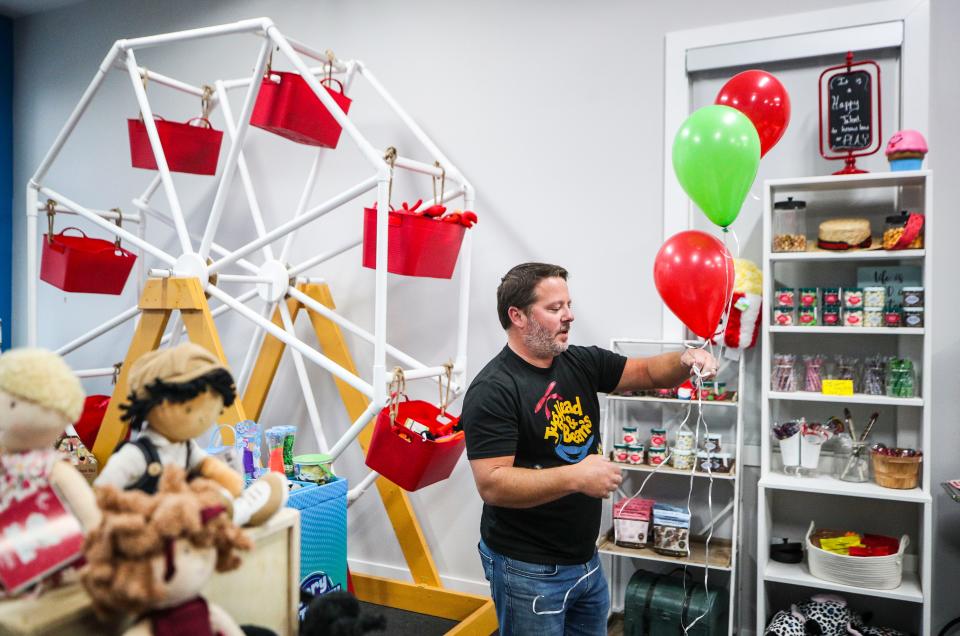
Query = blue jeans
x=534 y=599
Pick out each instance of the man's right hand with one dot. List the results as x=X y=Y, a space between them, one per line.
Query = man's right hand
x=597 y=476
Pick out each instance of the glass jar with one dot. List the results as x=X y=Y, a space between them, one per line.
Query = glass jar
x=911 y=297
x=620 y=453
x=783 y=378
x=789 y=226
x=893 y=230
x=852 y=460
x=783 y=316
x=853 y=297
x=875 y=376
x=784 y=297
x=853 y=317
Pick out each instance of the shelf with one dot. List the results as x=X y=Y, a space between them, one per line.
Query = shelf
x=629 y=398
x=667 y=470
x=857 y=398
x=853 y=331
x=852 y=255
x=798 y=574
x=850 y=181
x=829 y=485
x=719 y=553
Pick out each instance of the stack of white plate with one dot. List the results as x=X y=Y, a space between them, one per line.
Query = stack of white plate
x=880 y=573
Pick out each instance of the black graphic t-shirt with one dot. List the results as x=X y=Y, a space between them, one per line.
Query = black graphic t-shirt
x=544 y=418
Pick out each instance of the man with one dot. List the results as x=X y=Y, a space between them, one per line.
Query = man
x=531 y=419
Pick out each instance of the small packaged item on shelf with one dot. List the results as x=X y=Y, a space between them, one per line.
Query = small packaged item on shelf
x=784 y=297
x=629 y=435
x=891 y=316
x=813 y=374
x=671 y=530
x=808 y=297
x=874 y=297
x=853 y=297
x=789 y=226
x=247 y=441
x=900 y=378
x=682 y=459
x=658 y=438
x=830 y=316
x=831 y=295
x=714 y=462
x=807 y=317
x=684 y=439
x=316 y=468
x=783 y=316
x=913 y=316
x=853 y=317
x=911 y=297
x=631 y=522
x=712 y=443
x=656 y=456
x=620 y=453
x=784 y=375
x=787 y=435
x=873 y=317
x=635 y=454
x=875 y=376
x=845 y=368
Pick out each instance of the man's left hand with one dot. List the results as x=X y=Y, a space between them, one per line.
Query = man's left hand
x=700 y=359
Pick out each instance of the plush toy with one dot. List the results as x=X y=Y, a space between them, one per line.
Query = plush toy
x=338 y=614
x=152 y=554
x=42 y=496
x=743 y=325
x=177 y=394
x=823 y=615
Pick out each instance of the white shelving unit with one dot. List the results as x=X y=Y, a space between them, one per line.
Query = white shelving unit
x=723 y=417
x=786 y=502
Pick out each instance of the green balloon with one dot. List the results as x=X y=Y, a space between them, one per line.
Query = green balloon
x=716 y=154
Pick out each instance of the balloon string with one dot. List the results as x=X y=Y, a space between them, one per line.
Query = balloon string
x=725 y=317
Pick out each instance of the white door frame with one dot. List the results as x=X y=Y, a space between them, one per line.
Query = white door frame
x=914 y=83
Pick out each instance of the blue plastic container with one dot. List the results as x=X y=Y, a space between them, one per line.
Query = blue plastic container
x=323 y=536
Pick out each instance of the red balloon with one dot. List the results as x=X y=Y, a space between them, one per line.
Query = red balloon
x=694 y=275
x=762 y=98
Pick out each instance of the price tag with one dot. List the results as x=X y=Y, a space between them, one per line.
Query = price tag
x=837 y=387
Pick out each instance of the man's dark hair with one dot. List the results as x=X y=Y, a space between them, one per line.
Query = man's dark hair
x=218 y=380
x=518 y=287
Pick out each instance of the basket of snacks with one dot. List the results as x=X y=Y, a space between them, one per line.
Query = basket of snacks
x=896 y=467
x=861 y=560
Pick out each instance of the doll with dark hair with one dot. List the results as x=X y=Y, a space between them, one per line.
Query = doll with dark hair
x=338 y=614
x=177 y=394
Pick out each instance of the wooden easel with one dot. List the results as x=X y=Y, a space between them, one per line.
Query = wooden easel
x=426 y=595
x=161 y=297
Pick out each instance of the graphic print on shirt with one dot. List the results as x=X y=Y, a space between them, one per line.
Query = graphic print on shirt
x=567 y=427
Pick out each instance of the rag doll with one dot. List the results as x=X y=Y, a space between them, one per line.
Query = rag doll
x=152 y=554
x=45 y=503
x=177 y=394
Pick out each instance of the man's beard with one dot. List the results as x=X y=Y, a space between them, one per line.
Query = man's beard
x=541 y=342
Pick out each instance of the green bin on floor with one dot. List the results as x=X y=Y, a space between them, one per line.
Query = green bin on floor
x=656 y=605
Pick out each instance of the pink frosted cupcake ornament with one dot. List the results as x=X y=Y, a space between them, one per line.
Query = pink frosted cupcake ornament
x=906 y=150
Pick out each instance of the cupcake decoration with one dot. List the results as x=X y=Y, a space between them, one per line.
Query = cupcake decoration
x=906 y=150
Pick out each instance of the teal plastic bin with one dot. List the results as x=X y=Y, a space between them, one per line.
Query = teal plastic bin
x=656 y=605
x=323 y=537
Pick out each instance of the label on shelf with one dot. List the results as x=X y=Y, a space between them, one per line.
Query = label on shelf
x=837 y=387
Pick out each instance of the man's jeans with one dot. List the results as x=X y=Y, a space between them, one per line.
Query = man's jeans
x=534 y=599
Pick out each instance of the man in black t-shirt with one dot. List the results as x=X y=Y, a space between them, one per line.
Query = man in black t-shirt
x=532 y=423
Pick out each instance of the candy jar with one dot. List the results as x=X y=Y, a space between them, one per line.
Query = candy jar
x=784 y=376
x=875 y=376
x=812 y=377
x=900 y=378
x=789 y=226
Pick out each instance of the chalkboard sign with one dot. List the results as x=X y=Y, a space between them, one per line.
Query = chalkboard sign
x=850 y=111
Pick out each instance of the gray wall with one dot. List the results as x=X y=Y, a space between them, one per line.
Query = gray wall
x=508 y=90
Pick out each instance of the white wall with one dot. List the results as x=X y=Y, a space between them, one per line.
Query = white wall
x=506 y=88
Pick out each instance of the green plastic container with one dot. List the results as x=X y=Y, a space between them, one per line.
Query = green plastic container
x=655 y=605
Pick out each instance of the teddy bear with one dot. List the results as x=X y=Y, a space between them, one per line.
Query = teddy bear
x=45 y=503
x=177 y=394
x=152 y=554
